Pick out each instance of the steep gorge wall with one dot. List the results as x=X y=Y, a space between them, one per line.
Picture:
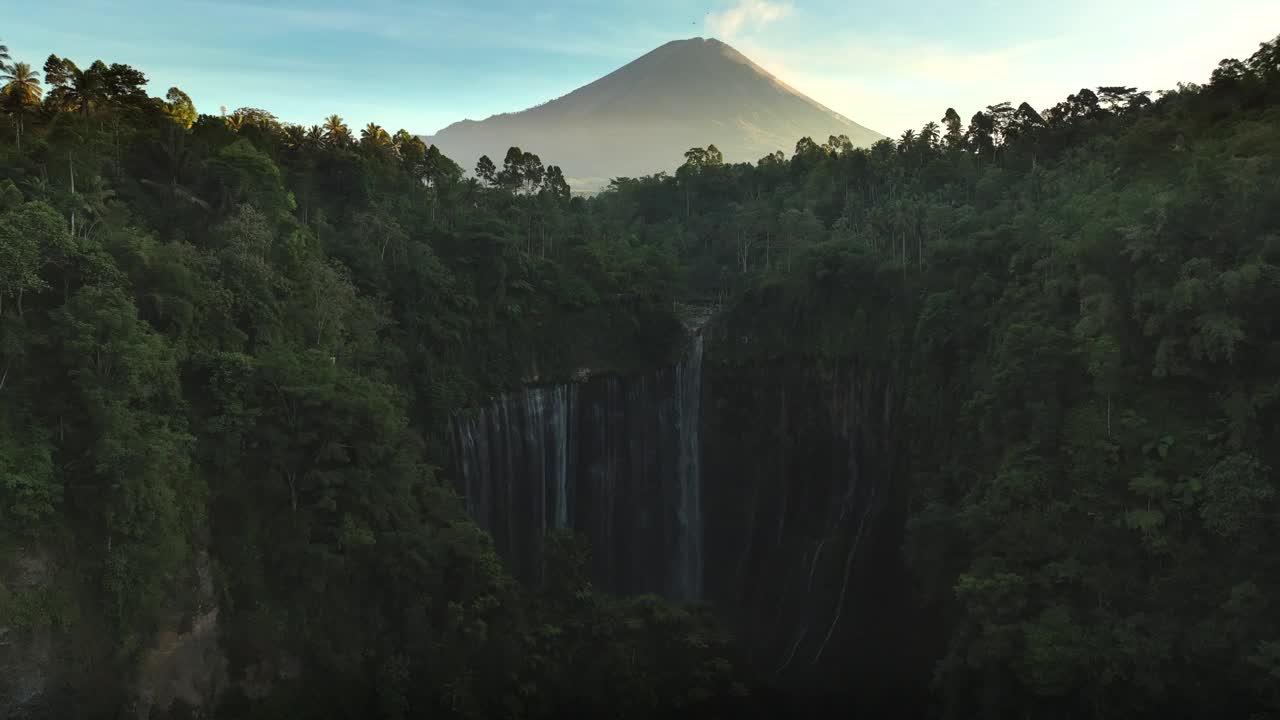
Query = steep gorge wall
x=806 y=497
x=807 y=456
x=57 y=659
x=769 y=484
x=616 y=458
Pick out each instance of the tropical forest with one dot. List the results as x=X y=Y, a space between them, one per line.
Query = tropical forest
x=314 y=422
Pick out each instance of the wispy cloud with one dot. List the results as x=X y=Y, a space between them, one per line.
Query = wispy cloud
x=891 y=81
x=751 y=15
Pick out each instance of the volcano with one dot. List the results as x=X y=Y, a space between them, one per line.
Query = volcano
x=641 y=118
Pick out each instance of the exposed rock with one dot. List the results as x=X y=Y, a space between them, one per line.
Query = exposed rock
x=29 y=654
x=187 y=667
x=616 y=458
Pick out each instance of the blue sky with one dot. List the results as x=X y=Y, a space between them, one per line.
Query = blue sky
x=888 y=64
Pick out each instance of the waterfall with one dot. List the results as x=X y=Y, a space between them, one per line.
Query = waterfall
x=688 y=578
x=618 y=459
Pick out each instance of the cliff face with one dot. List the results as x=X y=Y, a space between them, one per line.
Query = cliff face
x=31 y=649
x=774 y=489
x=617 y=459
x=805 y=494
x=56 y=661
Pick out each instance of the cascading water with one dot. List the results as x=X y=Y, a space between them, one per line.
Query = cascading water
x=688 y=579
x=617 y=459
x=801 y=553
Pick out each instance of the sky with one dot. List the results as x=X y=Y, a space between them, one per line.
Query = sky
x=886 y=64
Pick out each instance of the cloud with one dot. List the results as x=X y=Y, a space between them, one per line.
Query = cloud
x=889 y=83
x=748 y=14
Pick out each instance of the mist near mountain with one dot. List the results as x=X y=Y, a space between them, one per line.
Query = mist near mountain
x=640 y=119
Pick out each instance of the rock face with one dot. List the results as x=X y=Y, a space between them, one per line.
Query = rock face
x=185 y=668
x=805 y=497
x=790 y=522
x=618 y=459
x=30 y=650
x=55 y=661
x=640 y=119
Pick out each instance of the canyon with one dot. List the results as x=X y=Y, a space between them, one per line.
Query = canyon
x=774 y=492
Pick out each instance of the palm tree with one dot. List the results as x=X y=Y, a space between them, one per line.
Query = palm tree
x=21 y=83
x=21 y=90
x=374 y=135
x=93 y=202
x=175 y=167
x=929 y=134
x=39 y=187
x=295 y=137
x=315 y=134
x=908 y=141
x=336 y=131
x=4 y=56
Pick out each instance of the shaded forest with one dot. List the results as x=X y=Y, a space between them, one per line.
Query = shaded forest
x=230 y=348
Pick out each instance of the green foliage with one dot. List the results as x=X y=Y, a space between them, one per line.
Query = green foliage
x=1078 y=308
x=627 y=658
x=178 y=106
x=240 y=337
x=233 y=339
x=29 y=488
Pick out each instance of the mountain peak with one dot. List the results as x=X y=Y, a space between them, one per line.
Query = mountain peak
x=640 y=118
x=697 y=42
x=703 y=49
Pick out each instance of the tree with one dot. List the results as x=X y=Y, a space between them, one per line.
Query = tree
x=954 y=136
x=21 y=84
x=255 y=117
x=907 y=142
x=71 y=87
x=178 y=106
x=1229 y=72
x=20 y=92
x=838 y=144
x=125 y=86
x=929 y=135
x=486 y=171
x=336 y=131
x=532 y=172
x=699 y=159
x=1001 y=114
x=373 y=136
x=295 y=137
x=436 y=169
x=982 y=134
x=1116 y=98
x=27 y=234
x=1266 y=61
x=511 y=177
x=555 y=185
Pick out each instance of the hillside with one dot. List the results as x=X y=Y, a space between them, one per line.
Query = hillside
x=640 y=118
x=295 y=425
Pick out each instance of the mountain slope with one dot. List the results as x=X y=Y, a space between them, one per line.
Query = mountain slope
x=641 y=118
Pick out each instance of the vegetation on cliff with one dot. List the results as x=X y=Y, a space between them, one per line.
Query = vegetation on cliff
x=232 y=338
x=244 y=337
x=1079 y=306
